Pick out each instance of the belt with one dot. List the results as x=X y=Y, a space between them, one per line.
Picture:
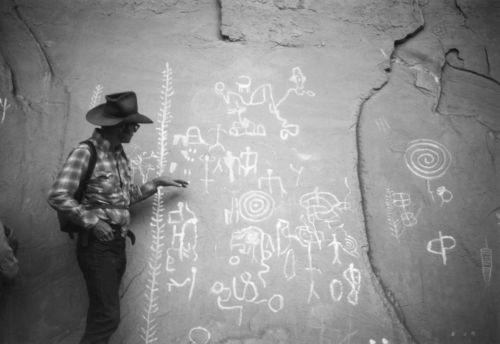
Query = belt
x=83 y=235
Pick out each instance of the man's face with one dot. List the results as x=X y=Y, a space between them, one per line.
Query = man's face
x=126 y=131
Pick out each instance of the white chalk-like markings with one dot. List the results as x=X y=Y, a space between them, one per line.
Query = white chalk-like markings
x=298 y=172
x=192 y=137
x=232 y=215
x=486 y=262
x=257 y=244
x=289 y=269
x=400 y=215
x=199 y=335
x=239 y=101
x=384 y=341
x=243 y=291
x=336 y=290
x=445 y=195
x=442 y=247
x=216 y=159
x=148 y=332
x=382 y=124
x=283 y=248
x=224 y=295
x=4 y=106
x=271 y=180
x=140 y=164
x=347 y=243
x=207 y=159
x=256 y=206
x=352 y=276
x=96 y=96
x=323 y=206
x=191 y=280
x=427 y=159
x=184 y=240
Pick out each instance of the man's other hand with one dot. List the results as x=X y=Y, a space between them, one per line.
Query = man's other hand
x=103 y=231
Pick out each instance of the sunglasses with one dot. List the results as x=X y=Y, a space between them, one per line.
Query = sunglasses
x=128 y=126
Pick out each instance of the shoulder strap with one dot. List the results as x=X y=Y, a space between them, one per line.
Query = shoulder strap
x=92 y=161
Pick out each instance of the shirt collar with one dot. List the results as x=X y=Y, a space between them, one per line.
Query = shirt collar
x=102 y=143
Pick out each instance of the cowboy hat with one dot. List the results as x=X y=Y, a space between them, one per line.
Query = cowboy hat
x=119 y=107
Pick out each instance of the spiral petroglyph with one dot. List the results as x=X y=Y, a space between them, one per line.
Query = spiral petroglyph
x=427 y=159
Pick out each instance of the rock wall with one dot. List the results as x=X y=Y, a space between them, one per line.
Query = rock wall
x=342 y=159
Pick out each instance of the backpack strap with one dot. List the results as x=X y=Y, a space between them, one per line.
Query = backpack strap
x=90 y=169
x=91 y=165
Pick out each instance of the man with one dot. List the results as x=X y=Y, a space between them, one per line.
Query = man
x=103 y=211
x=9 y=266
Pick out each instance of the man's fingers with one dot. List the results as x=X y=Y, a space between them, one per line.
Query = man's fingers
x=181 y=183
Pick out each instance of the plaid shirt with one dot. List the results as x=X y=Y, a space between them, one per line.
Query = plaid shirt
x=109 y=191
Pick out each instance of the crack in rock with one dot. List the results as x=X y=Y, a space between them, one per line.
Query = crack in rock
x=389 y=301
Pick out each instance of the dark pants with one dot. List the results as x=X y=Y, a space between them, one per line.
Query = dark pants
x=103 y=265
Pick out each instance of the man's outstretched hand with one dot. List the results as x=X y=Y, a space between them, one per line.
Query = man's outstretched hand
x=166 y=181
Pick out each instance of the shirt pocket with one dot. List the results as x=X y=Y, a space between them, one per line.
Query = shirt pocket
x=102 y=182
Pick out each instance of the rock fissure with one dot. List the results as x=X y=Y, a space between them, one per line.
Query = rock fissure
x=389 y=301
x=471 y=71
x=488 y=65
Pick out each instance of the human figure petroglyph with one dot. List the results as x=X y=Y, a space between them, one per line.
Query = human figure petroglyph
x=346 y=242
x=192 y=137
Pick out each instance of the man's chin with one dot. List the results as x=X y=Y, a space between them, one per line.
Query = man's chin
x=126 y=139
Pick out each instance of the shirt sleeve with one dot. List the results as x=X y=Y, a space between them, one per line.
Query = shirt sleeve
x=135 y=193
x=61 y=196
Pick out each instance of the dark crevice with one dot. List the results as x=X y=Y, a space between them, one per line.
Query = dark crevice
x=388 y=299
x=466 y=70
x=11 y=77
x=219 y=19
x=387 y=296
x=460 y=10
x=488 y=66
